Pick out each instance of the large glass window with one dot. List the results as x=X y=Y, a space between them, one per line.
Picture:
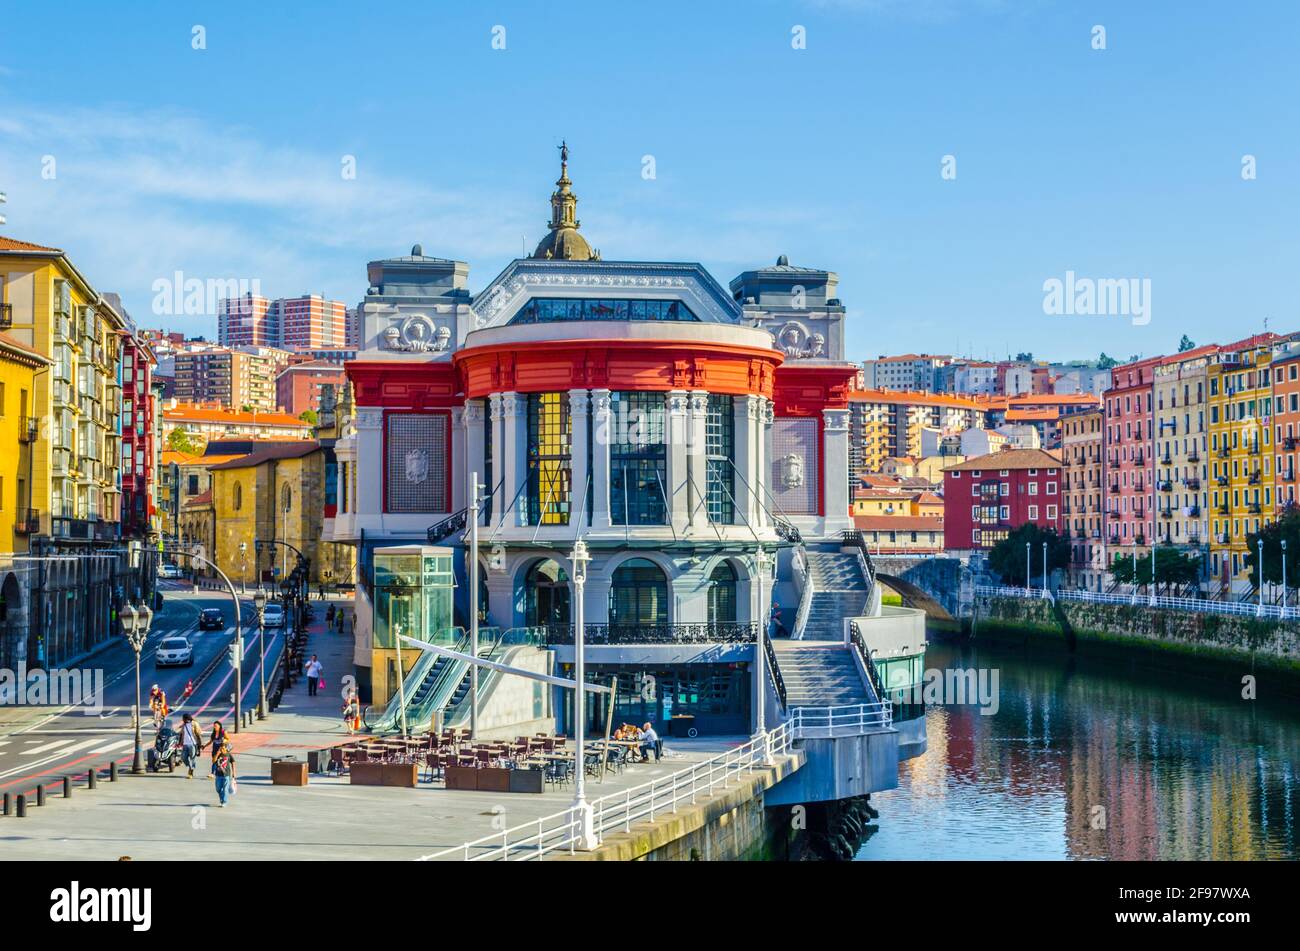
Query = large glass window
x=720 y=449
x=549 y=458
x=546 y=594
x=638 y=459
x=722 y=594
x=545 y=310
x=639 y=593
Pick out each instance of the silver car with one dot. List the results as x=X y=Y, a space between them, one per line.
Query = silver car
x=174 y=652
x=273 y=614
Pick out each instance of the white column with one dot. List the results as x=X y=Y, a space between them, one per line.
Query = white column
x=763 y=458
x=514 y=456
x=602 y=433
x=697 y=461
x=579 y=413
x=678 y=433
x=459 y=474
x=472 y=458
x=370 y=462
x=746 y=412
x=835 y=469
x=494 y=421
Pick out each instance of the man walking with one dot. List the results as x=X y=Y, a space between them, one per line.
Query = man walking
x=191 y=743
x=313 y=672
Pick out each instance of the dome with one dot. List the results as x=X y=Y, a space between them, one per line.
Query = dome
x=563 y=242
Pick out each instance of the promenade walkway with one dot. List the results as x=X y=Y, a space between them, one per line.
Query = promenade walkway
x=168 y=817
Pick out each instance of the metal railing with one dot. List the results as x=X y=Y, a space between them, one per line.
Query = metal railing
x=1199 y=605
x=730 y=632
x=858 y=719
x=807 y=588
x=774 y=670
x=618 y=812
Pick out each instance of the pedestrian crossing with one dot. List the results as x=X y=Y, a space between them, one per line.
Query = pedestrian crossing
x=96 y=744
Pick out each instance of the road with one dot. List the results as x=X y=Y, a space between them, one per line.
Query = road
x=67 y=740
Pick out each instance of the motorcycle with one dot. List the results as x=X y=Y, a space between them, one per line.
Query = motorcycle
x=166 y=750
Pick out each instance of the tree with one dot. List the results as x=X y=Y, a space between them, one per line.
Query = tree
x=1105 y=362
x=1172 y=568
x=1007 y=557
x=308 y=416
x=1186 y=344
x=1286 y=528
x=182 y=441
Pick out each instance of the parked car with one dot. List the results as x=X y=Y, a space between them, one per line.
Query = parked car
x=273 y=614
x=167 y=570
x=174 y=652
x=211 y=619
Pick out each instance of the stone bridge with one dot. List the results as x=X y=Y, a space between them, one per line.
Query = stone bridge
x=942 y=586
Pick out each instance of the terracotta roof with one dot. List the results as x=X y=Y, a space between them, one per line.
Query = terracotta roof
x=880 y=481
x=13 y=244
x=170 y=456
x=1044 y=413
x=277 y=450
x=16 y=348
x=914 y=398
x=929 y=498
x=1194 y=354
x=1009 y=459
x=192 y=413
x=899 y=523
x=203 y=498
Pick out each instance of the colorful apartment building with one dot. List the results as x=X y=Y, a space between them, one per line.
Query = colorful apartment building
x=1129 y=448
x=1182 y=449
x=139 y=438
x=298 y=387
x=211 y=421
x=19 y=429
x=1083 y=487
x=1286 y=427
x=988 y=497
x=309 y=322
x=234 y=378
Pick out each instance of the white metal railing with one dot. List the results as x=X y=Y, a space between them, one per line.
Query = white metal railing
x=1201 y=605
x=807 y=589
x=618 y=812
x=810 y=723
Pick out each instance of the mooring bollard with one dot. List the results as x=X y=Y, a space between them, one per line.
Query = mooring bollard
x=92 y=778
x=22 y=805
x=67 y=787
x=40 y=795
x=112 y=771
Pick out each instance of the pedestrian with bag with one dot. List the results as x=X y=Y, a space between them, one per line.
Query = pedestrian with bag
x=223 y=770
x=313 y=670
x=191 y=743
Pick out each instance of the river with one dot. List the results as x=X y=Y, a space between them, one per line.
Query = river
x=1091 y=759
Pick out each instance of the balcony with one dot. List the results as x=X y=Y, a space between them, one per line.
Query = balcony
x=1167 y=460
x=1193 y=456
x=702 y=633
x=6 y=316
x=1254 y=478
x=1224 y=453
x=1139 y=539
x=27 y=522
x=1113 y=487
x=1166 y=513
x=1254 y=508
x=1193 y=511
x=1290 y=443
x=1221 y=480
x=1223 y=510
x=1193 y=484
x=1166 y=486
x=1114 y=540
x=29 y=428
x=1194 y=540
x=1288 y=476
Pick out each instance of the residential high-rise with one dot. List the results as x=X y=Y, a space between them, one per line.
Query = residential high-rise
x=234 y=378
x=309 y=322
x=247 y=321
x=298 y=387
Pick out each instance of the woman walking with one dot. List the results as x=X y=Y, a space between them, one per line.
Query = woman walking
x=223 y=770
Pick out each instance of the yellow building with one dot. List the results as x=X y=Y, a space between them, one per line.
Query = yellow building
x=274 y=494
x=1241 y=493
x=19 y=429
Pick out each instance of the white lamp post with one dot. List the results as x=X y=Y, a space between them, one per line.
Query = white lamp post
x=1284 y=578
x=763 y=563
x=259 y=602
x=1027 y=572
x=473 y=604
x=135 y=621
x=1044 y=569
x=584 y=815
x=1259 y=576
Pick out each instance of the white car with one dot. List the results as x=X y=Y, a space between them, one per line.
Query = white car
x=273 y=614
x=169 y=571
x=174 y=652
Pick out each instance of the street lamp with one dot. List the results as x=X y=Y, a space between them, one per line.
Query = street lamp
x=1259 y=576
x=1028 y=574
x=763 y=564
x=1284 y=578
x=259 y=602
x=135 y=621
x=1135 y=570
x=583 y=813
x=1044 y=569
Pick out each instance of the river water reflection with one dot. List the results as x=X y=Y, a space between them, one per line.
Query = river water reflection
x=1087 y=759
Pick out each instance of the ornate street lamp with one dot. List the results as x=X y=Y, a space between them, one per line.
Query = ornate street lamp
x=763 y=565
x=585 y=815
x=259 y=602
x=135 y=620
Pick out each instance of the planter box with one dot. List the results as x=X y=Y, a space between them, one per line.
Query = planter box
x=366 y=774
x=461 y=777
x=493 y=780
x=401 y=774
x=318 y=761
x=288 y=772
x=525 y=780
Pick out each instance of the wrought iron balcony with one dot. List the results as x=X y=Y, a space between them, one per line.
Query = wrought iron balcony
x=1223 y=510
x=29 y=427
x=1193 y=456
x=701 y=633
x=1221 y=480
x=6 y=316
x=28 y=522
x=448 y=526
x=1166 y=486
x=1254 y=478
x=1194 y=484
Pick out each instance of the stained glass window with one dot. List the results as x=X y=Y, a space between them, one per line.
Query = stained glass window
x=550 y=445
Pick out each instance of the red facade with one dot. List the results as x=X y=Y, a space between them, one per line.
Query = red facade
x=138 y=444
x=986 y=498
x=1130 y=451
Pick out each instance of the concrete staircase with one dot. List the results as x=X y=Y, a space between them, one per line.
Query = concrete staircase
x=819 y=675
x=839 y=591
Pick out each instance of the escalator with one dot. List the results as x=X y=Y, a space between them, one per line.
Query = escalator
x=429 y=684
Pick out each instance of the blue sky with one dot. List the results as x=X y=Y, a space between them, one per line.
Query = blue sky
x=1121 y=163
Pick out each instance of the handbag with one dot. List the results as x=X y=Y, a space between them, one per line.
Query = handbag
x=321 y=685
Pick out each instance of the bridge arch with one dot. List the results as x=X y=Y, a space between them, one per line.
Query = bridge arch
x=914 y=596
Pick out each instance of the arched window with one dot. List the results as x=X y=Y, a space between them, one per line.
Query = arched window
x=546 y=596
x=722 y=594
x=286 y=498
x=238 y=496
x=639 y=594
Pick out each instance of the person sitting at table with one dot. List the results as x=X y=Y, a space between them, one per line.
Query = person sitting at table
x=649 y=743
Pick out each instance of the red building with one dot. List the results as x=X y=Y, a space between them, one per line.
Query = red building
x=988 y=497
x=139 y=447
x=1130 y=451
x=1286 y=422
x=297 y=388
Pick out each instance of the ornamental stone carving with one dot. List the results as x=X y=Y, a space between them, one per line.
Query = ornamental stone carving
x=792 y=470
x=417 y=465
x=417 y=334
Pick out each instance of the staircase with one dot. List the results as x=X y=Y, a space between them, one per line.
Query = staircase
x=839 y=591
x=820 y=675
